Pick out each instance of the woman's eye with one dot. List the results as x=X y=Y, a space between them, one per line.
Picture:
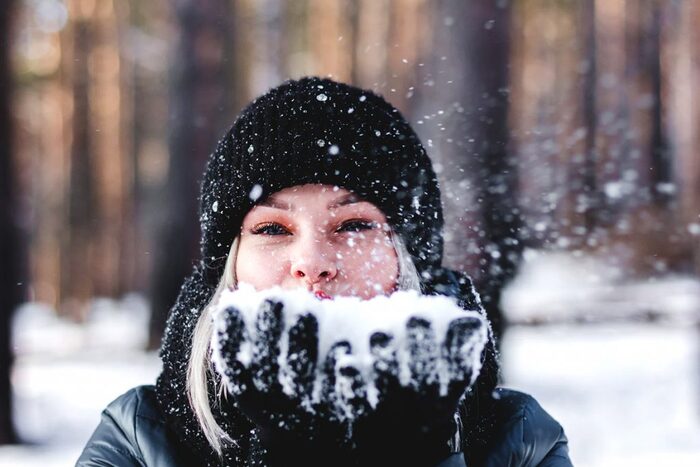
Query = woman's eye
x=356 y=226
x=271 y=228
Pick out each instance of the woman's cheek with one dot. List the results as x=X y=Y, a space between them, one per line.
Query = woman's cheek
x=262 y=266
x=377 y=252
x=385 y=266
x=370 y=268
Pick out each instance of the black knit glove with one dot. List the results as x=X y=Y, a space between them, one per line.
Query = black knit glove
x=413 y=423
x=292 y=428
x=393 y=404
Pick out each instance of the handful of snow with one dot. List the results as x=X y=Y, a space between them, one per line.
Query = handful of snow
x=344 y=356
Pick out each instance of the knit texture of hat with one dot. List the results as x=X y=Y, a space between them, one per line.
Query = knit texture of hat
x=307 y=131
x=319 y=131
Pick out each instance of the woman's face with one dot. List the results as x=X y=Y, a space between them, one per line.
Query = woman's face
x=319 y=237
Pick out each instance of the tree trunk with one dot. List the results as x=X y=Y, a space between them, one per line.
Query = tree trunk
x=78 y=249
x=488 y=24
x=465 y=126
x=590 y=120
x=660 y=154
x=10 y=257
x=200 y=110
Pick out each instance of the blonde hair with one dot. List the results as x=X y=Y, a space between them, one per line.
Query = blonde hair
x=200 y=364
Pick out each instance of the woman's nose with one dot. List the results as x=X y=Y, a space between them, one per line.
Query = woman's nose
x=314 y=262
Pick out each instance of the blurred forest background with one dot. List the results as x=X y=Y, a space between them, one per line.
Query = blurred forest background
x=555 y=125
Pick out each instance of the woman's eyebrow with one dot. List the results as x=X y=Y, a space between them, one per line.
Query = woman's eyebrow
x=275 y=203
x=350 y=198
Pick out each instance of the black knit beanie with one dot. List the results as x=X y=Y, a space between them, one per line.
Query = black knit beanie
x=309 y=131
x=319 y=131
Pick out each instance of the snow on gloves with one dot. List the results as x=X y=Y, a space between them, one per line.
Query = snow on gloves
x=348 y=372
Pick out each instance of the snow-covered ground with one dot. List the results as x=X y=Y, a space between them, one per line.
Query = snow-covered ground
x=65 y=374
x=627 y=393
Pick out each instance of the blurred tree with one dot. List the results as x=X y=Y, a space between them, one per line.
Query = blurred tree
x=493 y=164
x=266 y=44
x=681 y=64
x=43 y=110
x=371 y=32
x=329 y=36
x=68 y=106
x=584 y=178
x=650 y=42
x=11 y=259
x=113 y=170
x=78 y=249
x=469 y=83
x=202 y=75
x=591 y=131
x=553 y=118
x=638 y=215
x=145 y=48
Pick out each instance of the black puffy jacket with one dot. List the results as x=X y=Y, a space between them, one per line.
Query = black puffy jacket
x=133 y=433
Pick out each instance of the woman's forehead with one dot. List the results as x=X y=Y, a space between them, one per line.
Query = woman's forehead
x=312 y=189
x=334 y=196
x=317 y=195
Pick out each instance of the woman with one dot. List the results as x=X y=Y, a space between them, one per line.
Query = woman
x=323 y=186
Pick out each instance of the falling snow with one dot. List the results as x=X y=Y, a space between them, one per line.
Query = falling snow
x=255 y=192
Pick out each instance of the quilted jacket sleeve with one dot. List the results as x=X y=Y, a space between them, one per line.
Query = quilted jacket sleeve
x=132 y=432
x=114 y=441
x=528 y=436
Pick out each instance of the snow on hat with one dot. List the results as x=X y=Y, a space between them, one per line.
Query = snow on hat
x=316 y=130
